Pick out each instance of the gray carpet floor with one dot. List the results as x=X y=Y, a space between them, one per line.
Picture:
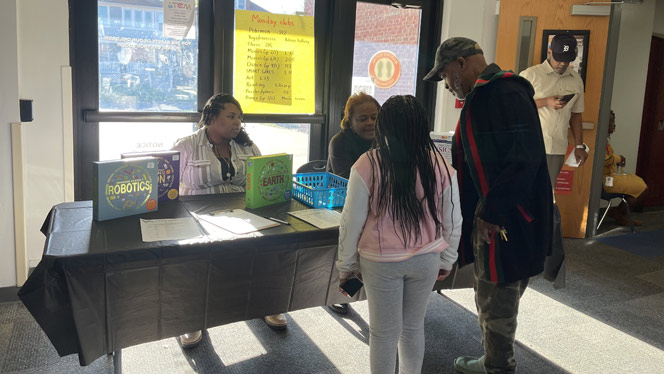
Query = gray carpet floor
x=609 y=319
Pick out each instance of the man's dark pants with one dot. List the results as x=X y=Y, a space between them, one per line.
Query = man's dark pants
x=497 y=309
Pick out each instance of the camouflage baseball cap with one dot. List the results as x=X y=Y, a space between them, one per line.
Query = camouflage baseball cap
x=450 y=50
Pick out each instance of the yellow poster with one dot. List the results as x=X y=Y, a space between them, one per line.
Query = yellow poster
x=274 y=62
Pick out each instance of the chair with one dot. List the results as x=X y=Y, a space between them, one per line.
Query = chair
x=610 y=196
x=315 y=166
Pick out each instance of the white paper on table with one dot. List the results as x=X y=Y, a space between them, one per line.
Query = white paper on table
x=571 y=159
x=321 y=218
x=153 y=230
x=237 y=221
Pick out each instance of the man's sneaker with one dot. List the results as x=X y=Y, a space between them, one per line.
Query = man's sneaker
x=191 y=339
x=469 y=365
x=277 y=321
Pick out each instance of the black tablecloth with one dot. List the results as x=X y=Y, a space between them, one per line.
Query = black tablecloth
x=100 y=288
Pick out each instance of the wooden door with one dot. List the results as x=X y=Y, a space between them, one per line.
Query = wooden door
x=554 y=15
x=650 y=161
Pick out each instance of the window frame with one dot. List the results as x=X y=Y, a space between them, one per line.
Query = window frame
x=334 y=32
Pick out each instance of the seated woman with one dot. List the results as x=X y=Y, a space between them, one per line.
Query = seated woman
x=358 y=128
x=628 y=184
x=213 y=160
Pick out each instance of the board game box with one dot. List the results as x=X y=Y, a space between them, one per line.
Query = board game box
x=124 y=187
x=168 y=174
x=269 y=179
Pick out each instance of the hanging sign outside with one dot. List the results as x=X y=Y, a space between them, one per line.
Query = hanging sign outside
x=178 y=18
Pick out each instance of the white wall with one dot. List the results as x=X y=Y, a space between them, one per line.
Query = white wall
x=636 y=28
x=34 y=38
x=43 y=49
x=474 y=19
x=8 y=113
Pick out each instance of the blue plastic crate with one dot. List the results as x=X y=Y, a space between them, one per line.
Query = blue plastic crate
x=320 y=190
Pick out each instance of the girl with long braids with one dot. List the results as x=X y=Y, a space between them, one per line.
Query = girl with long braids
x=399 y=231
x=213 y=160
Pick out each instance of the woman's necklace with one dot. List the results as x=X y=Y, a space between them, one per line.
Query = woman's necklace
x=219 y=156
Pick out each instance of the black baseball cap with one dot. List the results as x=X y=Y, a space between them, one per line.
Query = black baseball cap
x=564 y=47
x=450 y=50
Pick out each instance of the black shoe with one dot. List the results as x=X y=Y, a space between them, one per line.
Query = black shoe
x=277 y=321
x=339 y=308
x=191 y=339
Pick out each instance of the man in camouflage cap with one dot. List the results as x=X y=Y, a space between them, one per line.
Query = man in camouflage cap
x=450 y=50
x=504 y=191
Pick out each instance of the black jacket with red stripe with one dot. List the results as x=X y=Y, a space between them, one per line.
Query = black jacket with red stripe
x=500 y=157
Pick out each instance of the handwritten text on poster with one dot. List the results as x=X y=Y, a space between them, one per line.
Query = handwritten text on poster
x=274 y=62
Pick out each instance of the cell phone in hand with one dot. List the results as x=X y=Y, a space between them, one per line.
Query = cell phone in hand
x=352 y=286
x=566 y=98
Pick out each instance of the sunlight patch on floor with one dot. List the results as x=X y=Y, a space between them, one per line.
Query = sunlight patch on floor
x=338 y=340
x=246 y=345
x=572 y=340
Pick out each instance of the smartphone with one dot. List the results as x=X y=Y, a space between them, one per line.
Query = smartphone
x=352 y=286
x=566 y=98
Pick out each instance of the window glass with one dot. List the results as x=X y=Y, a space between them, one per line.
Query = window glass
x=292 y=7
x=126 y=18
x=385 y=58
x=139 y=68
x=145 y=136
x=103 y=15
x=149 y=19
x=116 y=16
x=290 y=138
x=138 y=18
x=525 y=42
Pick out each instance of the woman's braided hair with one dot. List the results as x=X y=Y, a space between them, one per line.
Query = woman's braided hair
x=404 y=149
x=214 y=106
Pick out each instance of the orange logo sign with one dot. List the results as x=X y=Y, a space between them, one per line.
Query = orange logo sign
x=384 y=69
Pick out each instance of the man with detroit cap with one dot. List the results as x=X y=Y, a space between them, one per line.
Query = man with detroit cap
x=552 y=80
x=504 y=190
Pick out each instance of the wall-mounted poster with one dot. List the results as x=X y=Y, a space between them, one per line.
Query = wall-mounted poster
x=274 y=67
x=582 y=40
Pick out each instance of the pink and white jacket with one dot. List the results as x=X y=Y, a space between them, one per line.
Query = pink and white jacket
x=375 y=238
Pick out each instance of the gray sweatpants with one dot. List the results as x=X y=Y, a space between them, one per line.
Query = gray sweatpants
x=398 y=294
